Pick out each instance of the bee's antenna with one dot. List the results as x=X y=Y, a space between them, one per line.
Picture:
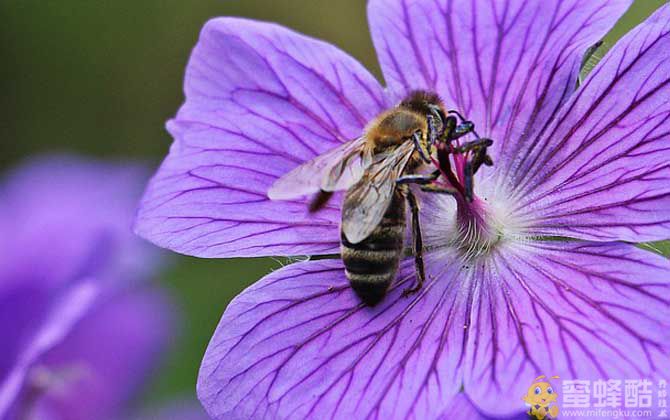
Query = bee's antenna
x=458 y=114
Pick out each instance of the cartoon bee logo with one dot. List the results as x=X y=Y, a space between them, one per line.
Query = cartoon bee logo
x=541 y=399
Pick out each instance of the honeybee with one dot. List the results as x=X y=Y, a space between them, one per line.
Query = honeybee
x=375 y=170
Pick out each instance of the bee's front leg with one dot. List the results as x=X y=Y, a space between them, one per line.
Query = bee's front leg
x=418 y=179
x=439 y=189
x=417 y=245
x=423 y=149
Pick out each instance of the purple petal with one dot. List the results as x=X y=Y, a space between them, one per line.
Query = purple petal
x=573 y=309
x=78 y=327
x=66 y=312
x=299 y=343
x=112 y=350
x=601 y=171
x=507 y=65
x=89 y=355
x=185 y=409
x=21 y=311
x=461 y=408
x=59 y=231
x=55 y=233
x=260 y=100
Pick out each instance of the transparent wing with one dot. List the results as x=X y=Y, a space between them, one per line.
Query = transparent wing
x=367 y=200
x=334 y=170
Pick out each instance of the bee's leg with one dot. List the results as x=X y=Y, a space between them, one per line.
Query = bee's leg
x=418 y=179
x=417 y=137
x=427 y=183
x=319 y=201
x=439 y=189
x=417 y=245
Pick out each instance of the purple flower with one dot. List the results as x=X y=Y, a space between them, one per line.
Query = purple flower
x=81 y=328
x=503 y=303
x=175 y=410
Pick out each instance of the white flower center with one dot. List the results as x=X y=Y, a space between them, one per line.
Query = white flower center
x=474 y=228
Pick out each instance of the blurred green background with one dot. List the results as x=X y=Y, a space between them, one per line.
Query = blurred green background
x=99 y=78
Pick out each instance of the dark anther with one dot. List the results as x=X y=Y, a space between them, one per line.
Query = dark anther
x=474 y=145
x=481 y=158
x=450 y=124
x=464 y=120
x=462 y=129
x=478 y=160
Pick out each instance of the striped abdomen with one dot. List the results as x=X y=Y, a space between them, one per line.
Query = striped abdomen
x=372 y=264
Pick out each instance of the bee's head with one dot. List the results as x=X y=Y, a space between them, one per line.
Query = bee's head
x=430 y=105
x=424 y=103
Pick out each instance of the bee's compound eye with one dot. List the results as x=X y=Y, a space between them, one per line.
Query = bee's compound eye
x=550 y=390
x=538 y=390
x=437 y=112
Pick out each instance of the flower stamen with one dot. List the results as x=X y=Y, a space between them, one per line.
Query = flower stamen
x=458 y=162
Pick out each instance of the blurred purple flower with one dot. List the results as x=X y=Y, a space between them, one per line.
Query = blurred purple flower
x=81 y=328
x=589 y=164
x=175 y=410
